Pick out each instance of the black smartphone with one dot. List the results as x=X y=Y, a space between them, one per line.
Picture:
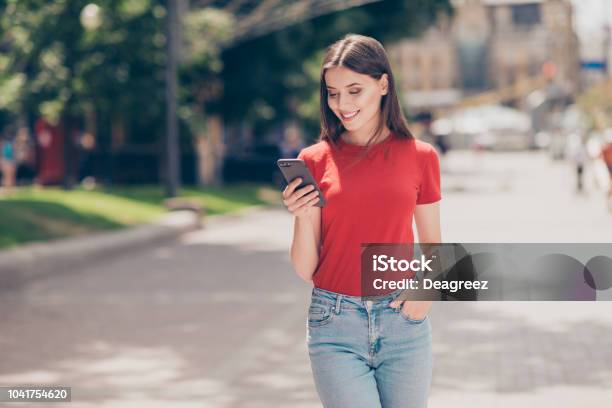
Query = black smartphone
x=295 y=168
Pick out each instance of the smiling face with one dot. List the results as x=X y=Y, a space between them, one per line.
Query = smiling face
x=355 y=98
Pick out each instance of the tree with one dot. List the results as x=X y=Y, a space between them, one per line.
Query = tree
x=275 y=77
x=597 y=104
x=71 y=60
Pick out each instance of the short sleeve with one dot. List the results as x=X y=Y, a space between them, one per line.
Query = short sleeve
x=429 y=189
x=303 y=155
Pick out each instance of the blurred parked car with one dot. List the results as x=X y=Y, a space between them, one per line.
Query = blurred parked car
x=491 y=127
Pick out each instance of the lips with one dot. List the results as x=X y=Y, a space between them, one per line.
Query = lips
x=349 y=115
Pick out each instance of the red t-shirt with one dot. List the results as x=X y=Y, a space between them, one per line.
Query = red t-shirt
x=372 y=201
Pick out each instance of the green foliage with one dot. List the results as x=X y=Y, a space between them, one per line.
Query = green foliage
x=61 y=60
x=203 y=32
x=66 y=58
x=31 y=214
x=276 y=77
x=596 y=103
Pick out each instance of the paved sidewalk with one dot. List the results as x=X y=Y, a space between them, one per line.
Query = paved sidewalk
x=38 y=259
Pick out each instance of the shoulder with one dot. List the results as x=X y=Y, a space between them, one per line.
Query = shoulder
x=424 y=151
x=424 y=148
x=315 y=157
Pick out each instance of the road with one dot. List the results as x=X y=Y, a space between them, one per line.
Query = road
x=217 y=318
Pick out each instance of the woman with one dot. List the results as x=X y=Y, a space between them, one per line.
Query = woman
x=375 y=176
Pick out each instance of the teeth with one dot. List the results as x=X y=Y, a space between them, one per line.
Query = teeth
x=349 y=115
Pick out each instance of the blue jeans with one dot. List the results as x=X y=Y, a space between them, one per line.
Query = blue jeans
x=364 y=353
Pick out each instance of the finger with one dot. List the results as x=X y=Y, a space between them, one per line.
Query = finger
x=304 y=202
x=396 y=303
x=299 y=194
x=292 y=186
x=305 y=190
x=312 y=202
x=308 y=197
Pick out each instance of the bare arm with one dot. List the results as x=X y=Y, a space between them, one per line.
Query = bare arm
x=306 y=228
x=306 y=243
x=427 y=219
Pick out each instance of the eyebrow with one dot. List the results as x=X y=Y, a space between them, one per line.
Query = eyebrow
x=354 y=83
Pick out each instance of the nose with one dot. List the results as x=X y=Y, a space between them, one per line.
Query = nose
x=344 y=105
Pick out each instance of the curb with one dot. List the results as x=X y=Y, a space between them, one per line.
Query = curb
x=217 y=220
x=37 y=260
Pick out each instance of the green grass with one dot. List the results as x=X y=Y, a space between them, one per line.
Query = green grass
x=38 y=214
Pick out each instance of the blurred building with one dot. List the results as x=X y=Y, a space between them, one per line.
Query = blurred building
x=595 y=52
x=489 y=45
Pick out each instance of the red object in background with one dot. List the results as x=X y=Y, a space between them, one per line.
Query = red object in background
x=606 y=153
x=549 y=70
x=50 y=142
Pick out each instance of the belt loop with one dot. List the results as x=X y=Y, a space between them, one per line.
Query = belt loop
x=338 y=300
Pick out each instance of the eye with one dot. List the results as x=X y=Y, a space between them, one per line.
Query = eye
x=353 y=92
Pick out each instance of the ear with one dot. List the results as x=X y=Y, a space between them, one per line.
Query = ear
x=384 y=84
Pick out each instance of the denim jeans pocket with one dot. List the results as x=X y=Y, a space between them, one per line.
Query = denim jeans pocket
x=409 y=320
x=319 y=313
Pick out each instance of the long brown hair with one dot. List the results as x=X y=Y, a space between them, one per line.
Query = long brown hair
x=364 y=55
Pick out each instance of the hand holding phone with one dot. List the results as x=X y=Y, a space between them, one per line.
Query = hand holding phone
x=302 y=190
x=300 y=201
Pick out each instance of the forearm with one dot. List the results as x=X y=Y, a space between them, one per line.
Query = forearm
x=304 y=249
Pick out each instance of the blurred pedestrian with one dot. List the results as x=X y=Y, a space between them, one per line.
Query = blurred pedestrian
x=606 y=156
x=25 y=155
x=9 y=165
x=292 y=143
x=441 y=143
x=86 y=143
x=427 y=135
x=577 y=153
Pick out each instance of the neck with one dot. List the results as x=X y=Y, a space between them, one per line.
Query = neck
x=363 y=135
